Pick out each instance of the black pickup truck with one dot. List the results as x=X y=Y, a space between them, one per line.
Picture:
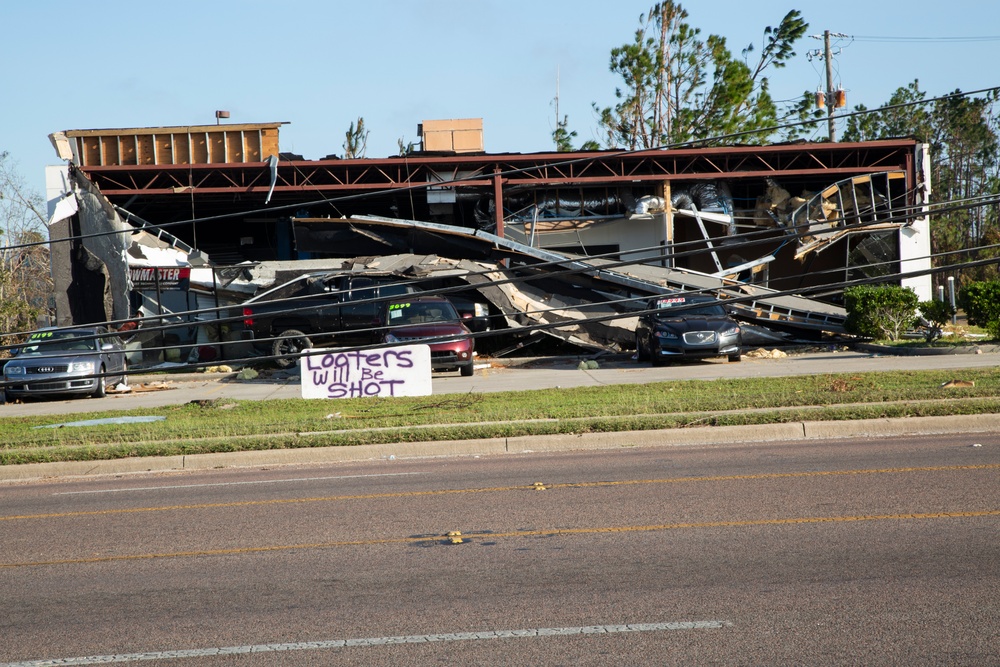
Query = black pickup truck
x=329 y=309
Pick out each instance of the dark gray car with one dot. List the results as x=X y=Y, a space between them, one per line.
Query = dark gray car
x=82 y=360
x=687 y=327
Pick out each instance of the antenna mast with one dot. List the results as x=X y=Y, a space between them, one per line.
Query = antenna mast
x=557 y=95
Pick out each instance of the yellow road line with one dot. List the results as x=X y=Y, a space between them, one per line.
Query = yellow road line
x=543 y=532
x=499 y=489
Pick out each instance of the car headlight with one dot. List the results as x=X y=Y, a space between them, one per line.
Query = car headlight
x=389 y=338
x=81 y=367
x=12 y=369
x=731 y=332
x=480 y=310
x=668 y=335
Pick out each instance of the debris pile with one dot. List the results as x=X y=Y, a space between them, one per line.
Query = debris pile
x=820 y=218
x=776 y=206
x=761 y=353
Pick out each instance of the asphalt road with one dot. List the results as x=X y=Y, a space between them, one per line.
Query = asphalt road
x=160 y=390
x=848 y=552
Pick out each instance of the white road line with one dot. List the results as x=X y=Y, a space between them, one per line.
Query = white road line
x=371 y=641
x=262 y=481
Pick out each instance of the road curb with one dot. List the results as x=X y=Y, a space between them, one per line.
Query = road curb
x=705 y=435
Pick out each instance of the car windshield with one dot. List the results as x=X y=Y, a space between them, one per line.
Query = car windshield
x=418 y=312
x=671 y=309
x=59 y=341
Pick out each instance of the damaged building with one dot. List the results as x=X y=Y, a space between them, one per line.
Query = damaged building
x=179 y=222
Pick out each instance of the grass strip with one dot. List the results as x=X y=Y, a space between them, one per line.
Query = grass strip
x=229 y=426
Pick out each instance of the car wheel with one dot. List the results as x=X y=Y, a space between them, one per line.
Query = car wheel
x=102 y=386
x=640 y=354
x=655 y=358
x=288 y=346
x=733 y=358
x=467 y=370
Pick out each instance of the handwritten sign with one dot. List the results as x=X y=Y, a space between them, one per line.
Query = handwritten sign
x=404 y=370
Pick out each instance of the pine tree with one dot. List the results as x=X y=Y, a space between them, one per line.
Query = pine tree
x=678 y=87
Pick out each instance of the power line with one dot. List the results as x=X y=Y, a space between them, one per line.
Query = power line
x=332 y=201
x=930 y=208
x=565 y=263
x=734 y=243
x=562 y=265
x=924 y=40
x=814 y=291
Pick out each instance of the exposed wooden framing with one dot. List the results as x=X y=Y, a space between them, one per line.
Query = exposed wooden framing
x=668 y=225
x=166 y=146
x=144 y=152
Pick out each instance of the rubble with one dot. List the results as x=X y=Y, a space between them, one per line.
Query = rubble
x=761 y=353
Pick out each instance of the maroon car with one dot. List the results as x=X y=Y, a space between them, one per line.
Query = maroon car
x=434 y=321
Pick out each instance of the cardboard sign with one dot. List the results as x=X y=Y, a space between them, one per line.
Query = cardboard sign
x=404 y=370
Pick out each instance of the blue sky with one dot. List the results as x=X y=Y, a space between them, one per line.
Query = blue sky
x=320 y=64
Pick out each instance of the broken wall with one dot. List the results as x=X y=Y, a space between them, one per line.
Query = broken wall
x=93 y=286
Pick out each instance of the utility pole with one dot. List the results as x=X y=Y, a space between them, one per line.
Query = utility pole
x=831 y=127
x=829 y=98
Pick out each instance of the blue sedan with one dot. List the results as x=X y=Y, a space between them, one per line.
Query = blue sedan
x=82 y=361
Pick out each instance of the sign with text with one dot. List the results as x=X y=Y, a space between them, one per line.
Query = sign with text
x=390 y=371
x=161 y=277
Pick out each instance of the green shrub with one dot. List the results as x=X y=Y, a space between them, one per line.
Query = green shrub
x=937 y=314
x=882 y=312
x=981 y=303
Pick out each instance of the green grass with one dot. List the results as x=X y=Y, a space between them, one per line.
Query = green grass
x=226 y=426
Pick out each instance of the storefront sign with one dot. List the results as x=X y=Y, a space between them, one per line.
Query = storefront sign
x=167 y=277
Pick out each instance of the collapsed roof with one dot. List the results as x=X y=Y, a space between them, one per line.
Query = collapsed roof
x=583 y=300
x=594 y=233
